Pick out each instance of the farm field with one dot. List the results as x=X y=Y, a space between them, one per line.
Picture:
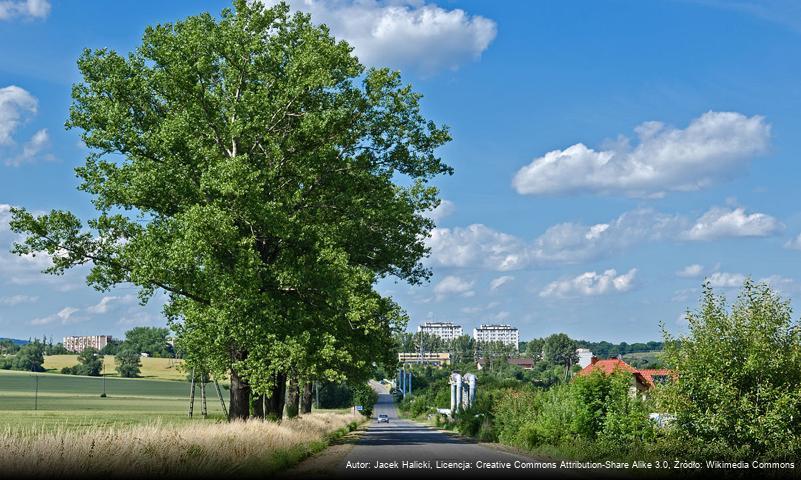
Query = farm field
x=163 y=368
x=75 y=401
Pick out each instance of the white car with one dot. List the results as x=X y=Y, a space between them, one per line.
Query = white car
x=383 y=418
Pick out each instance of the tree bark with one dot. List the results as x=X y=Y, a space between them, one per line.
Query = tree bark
x=306 y=398
x=239 y=403
x=293 y=398
x=258 y=407
x=275 y=404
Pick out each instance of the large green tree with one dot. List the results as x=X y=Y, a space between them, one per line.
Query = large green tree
x=150 y=340
x=252 y=168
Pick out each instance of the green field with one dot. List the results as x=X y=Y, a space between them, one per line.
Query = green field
x=67 y=400
x=163 y=368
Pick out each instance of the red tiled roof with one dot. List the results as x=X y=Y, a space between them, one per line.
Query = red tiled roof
x=607 y=367
x=612 y=365
x=649 y=374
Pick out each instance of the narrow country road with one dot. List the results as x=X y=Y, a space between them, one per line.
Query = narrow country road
x=384 y=447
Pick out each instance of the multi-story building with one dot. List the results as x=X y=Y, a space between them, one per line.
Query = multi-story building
x=506 y=334
x=79 y=343
x=444 y=330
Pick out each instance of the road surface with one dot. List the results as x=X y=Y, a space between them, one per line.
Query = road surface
x=412 y=450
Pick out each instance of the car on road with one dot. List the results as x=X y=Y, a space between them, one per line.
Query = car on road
x=383 y=418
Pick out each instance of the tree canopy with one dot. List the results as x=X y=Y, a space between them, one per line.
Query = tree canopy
x=253 y=169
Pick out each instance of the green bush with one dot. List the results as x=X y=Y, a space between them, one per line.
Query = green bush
x=738 y=374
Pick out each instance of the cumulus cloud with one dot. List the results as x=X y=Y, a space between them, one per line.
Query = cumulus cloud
x=444 y=209
x=591 y=283
x=690 y=271
x=5 y=216
x=564 y=243
x=721 y=222
x=65 y=316
x=499 y=282
x=726 y=280
x=714 y=147
x=476 y=245
x=403 y=33
x=32 y=150
x=17 y=105
x=453 y=285
x=106 y=302
x=10 y=9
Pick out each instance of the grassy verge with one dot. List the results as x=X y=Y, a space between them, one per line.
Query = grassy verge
x=189 y=449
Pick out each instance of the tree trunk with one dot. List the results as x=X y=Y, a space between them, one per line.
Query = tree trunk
x=258 y=407
x=275 y=404
x=306 y=398
x=293 y=398
x=239 y=403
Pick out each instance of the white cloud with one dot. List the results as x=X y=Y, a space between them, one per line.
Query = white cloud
x=794 y=244
x=726 y=280
x=721 y=222
x=444 y=209
x=453 y=285
x=591 y=283
x=715 y=146
x=5 y=216
x=497 y=283
x=64 y=317
x=32 y=150
x=476 y=245
x=564 y=243
x=10 y=9
x=691 y=271
x=106 y=302
x=403 y=33
x=17 y=300
x=15 y=105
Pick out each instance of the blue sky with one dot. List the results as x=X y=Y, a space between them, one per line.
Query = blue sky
x=608 y=155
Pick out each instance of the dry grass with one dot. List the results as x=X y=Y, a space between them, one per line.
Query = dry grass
x=246 y=448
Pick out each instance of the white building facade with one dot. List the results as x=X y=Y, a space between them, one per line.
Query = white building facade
x=584 y=356
x=444 y=330
x=80 y=343
x=506 y=334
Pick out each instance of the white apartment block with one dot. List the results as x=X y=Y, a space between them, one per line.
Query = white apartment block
x=506 y=334
x=79 y=343
x=444 y=330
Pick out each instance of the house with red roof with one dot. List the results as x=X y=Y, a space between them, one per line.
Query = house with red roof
x=642 y=380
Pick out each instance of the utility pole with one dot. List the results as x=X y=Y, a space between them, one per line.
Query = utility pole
x=203 y=410
x=192 y=394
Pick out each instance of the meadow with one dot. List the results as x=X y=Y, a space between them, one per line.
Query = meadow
x=162 y=368
x=68 y=400
x=142 y=428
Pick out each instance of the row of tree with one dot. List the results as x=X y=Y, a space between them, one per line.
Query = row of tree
x=250 y=167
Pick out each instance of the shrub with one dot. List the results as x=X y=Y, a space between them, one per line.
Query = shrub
x=738 y=374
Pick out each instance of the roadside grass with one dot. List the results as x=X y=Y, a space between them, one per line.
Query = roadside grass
x=188 y=449
x=152 y=368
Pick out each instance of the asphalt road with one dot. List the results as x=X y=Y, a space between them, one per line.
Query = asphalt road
x=384 y=447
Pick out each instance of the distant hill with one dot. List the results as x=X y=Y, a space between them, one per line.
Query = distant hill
x=16 y=341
